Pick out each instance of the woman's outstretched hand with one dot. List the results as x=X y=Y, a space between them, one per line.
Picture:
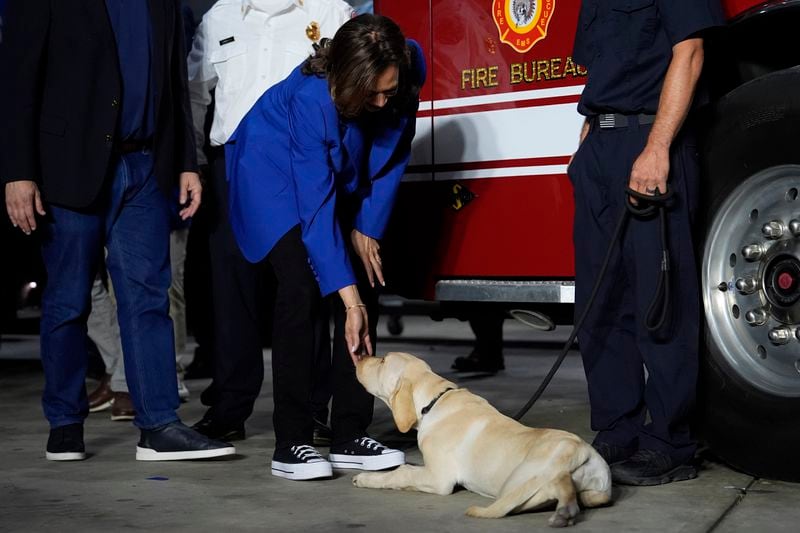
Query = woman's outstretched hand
x=356 y=325
x=369 y=250
x=356 y=333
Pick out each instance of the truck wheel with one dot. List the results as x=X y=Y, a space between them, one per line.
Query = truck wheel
x=749 y=395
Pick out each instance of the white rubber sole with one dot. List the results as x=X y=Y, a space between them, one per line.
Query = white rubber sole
x=367 y=462
x=147 y=454
x=101 y=407
x=119 y=418
x=65 y=456
x=304 y=471
x=183 y=393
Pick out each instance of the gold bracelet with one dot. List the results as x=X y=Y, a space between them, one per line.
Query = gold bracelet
x=346 y=308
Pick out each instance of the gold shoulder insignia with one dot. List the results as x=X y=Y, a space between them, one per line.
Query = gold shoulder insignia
x=312 y=31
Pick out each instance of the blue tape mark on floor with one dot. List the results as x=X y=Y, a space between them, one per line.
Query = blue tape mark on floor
x=158 y=478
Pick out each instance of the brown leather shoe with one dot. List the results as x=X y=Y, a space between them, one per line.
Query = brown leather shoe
x=122 y=408
x=100 y=398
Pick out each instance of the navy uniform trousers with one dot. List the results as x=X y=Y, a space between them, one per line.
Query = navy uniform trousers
x=631 y=406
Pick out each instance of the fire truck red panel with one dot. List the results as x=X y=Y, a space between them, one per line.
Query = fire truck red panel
x=486 y=194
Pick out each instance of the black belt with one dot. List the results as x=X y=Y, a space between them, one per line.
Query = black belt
x=608 y=121
x=128 y=147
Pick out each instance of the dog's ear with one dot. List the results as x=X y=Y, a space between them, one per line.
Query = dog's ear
x=402 y=404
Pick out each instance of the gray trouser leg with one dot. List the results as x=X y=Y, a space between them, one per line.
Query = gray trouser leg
x=177 y=299
x=103 y=329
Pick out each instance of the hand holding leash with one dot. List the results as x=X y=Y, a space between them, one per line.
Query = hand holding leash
x=644 y=205
x=650 y=171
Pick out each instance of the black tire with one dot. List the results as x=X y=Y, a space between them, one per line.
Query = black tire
x=754 y=130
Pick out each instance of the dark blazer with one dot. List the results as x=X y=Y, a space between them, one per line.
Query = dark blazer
x=61 y=92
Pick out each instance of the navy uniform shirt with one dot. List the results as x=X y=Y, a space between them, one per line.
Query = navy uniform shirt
x=627 y=47
x=130 y=20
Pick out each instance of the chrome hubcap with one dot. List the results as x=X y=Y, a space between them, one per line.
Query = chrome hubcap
x=751 y=280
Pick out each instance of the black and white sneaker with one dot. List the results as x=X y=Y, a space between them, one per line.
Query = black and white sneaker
x=177 y=442
x=365 y=453
x=65 y=443
x=300 y=462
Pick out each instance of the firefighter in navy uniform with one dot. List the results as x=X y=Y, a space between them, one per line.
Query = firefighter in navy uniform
x=644 y=59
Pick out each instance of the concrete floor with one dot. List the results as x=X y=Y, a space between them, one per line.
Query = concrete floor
x=113 y=492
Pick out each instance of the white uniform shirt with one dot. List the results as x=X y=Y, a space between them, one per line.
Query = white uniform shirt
x=243 y=47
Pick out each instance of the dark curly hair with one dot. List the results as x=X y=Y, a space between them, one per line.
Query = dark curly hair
x=363 y=48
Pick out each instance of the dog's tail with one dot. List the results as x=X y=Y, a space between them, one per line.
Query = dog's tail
x=534 y=493
x=511 y=501
x=592 y=478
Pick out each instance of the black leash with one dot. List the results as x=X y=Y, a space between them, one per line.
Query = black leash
x=658 y=310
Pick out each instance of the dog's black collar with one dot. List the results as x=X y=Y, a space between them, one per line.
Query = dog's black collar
x=433 y=402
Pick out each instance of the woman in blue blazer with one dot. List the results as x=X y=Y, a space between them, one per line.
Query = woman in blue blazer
x=314 y=168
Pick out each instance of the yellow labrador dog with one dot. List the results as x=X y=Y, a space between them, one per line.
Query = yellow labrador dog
x=465 y=441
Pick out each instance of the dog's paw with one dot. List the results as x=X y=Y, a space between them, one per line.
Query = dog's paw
x=475 y=511
x=565 y=515
x=364 y=481
x=481 y=512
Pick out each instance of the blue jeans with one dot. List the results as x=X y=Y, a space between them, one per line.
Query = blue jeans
x=131 y=219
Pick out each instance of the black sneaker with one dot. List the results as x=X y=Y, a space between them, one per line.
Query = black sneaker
x=322 y=434
x=66 y=443
x=365 y=453
x=177 y=442
x=611 y=453
x=300 y=462
x=651 y=467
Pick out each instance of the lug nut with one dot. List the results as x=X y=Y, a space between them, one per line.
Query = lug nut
x=794 y=227
x=753 y=252
x=747 y=285
x=756 y=317
x=773 y=229
x=780 y=336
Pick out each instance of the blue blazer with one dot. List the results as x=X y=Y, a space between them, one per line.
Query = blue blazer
x=293 y=155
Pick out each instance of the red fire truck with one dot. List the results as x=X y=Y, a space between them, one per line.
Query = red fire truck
x=485 y=213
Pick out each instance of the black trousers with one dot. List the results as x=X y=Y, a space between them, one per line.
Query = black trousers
x=628 y=408
x=242 y=295
x=488 y=330
x=300 y=327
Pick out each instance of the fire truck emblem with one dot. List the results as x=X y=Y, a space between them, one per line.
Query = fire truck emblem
x=522 y=23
